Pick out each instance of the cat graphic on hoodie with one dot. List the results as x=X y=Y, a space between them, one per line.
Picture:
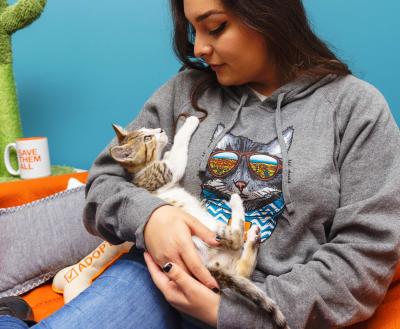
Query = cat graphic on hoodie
x=251 y=169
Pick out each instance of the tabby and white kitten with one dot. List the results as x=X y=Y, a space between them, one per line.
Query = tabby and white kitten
x=140 y=153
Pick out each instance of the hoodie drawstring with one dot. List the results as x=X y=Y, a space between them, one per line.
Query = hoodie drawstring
x=227 y=128
x=285 y=162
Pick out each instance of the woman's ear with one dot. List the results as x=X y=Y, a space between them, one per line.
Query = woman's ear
x=120 y=132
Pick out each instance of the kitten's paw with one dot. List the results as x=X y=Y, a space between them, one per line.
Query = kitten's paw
x=230 y=239
x=235 y=199
x=166 y=155
x=254 y=235
x=192 y=123
x=238 y=214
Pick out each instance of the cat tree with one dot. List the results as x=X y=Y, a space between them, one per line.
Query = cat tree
x=13 y=18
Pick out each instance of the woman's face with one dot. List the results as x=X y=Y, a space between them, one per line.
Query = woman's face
x=237 y=54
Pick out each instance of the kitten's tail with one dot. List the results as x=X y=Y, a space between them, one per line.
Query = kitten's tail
x=249 y=290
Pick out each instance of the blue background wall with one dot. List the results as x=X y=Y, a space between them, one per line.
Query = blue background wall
x=86 y=64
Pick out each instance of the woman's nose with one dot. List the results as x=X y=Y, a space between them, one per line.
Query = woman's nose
x=202 y=49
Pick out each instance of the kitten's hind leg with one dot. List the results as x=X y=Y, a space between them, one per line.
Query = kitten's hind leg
x=247 y=262
x=232 y=235
x=176 y=158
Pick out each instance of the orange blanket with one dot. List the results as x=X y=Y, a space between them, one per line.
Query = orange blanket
x=16 y=193
x=44 y=301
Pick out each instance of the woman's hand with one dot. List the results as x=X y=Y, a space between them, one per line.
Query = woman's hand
x=168 y=238
x=185 y=293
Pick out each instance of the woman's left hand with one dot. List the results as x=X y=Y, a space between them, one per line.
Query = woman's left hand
x=185 y=293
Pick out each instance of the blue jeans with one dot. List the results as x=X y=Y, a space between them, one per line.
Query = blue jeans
x=123 y=297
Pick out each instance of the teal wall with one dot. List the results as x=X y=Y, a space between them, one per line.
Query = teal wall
x=87 y=64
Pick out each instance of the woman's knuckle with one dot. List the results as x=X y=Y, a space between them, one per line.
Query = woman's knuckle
x=191 y=293
x=159 y=260
x=178 y=275
x=197 y=268
x=168 y=296
x=175 y=305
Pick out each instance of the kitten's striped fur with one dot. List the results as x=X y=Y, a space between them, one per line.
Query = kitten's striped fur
x=139 y=152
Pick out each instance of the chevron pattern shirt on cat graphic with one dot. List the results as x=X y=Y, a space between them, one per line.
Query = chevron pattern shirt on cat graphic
x=265 y=217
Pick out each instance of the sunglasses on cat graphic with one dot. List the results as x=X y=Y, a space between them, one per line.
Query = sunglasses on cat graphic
x=264 y=166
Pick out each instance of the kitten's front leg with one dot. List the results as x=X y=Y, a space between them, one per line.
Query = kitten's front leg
x=232 y=234
x=176 y=158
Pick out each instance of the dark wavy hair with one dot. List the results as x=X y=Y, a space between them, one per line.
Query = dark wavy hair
x=293 y=46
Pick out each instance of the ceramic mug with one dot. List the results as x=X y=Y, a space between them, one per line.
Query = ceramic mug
x=33 y=157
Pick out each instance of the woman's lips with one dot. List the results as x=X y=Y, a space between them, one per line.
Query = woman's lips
x=215 y=67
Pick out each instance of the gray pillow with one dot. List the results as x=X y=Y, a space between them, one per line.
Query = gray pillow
x=39 y=238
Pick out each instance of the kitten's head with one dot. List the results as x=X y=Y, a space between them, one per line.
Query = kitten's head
x=136 y=149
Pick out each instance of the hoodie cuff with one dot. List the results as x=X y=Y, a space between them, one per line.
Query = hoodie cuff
x=136 y=215
x=236 y=312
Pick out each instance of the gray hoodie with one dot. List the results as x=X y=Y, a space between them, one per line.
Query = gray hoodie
x=328 y=208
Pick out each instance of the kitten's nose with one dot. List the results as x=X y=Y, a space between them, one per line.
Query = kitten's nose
x=240 y=185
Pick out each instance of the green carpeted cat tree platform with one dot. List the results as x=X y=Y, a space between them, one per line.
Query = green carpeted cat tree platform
x=12 y=18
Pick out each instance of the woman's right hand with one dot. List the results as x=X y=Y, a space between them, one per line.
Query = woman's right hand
x=168 y=238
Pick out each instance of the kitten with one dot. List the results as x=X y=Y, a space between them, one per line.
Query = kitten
x=140 y=153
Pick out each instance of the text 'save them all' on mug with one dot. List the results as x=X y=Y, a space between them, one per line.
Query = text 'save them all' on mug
x=33 y=157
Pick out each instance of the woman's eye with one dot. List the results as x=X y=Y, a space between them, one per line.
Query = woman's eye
x=218 y=30
x=192 y=34
x=147 y=138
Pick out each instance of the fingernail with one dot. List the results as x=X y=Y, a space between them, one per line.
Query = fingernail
x=216 y=290
x=218 y=238
x=167 y=267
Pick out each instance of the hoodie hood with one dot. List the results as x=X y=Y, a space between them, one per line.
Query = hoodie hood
x=293 y=91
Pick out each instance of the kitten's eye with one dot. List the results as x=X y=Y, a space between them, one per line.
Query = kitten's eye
x=148 y=138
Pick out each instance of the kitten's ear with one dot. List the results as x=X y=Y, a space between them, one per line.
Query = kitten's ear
x=124 y=154
x=120 y=132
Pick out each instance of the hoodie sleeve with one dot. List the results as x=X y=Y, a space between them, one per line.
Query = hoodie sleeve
x=116 y=210
x=347 y=278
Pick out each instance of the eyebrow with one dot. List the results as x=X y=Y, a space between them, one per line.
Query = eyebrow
x=208 y=14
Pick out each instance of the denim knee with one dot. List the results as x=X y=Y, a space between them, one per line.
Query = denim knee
x=9 y=322
x=123 y=297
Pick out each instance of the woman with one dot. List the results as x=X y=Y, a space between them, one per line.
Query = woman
x=270 y=92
